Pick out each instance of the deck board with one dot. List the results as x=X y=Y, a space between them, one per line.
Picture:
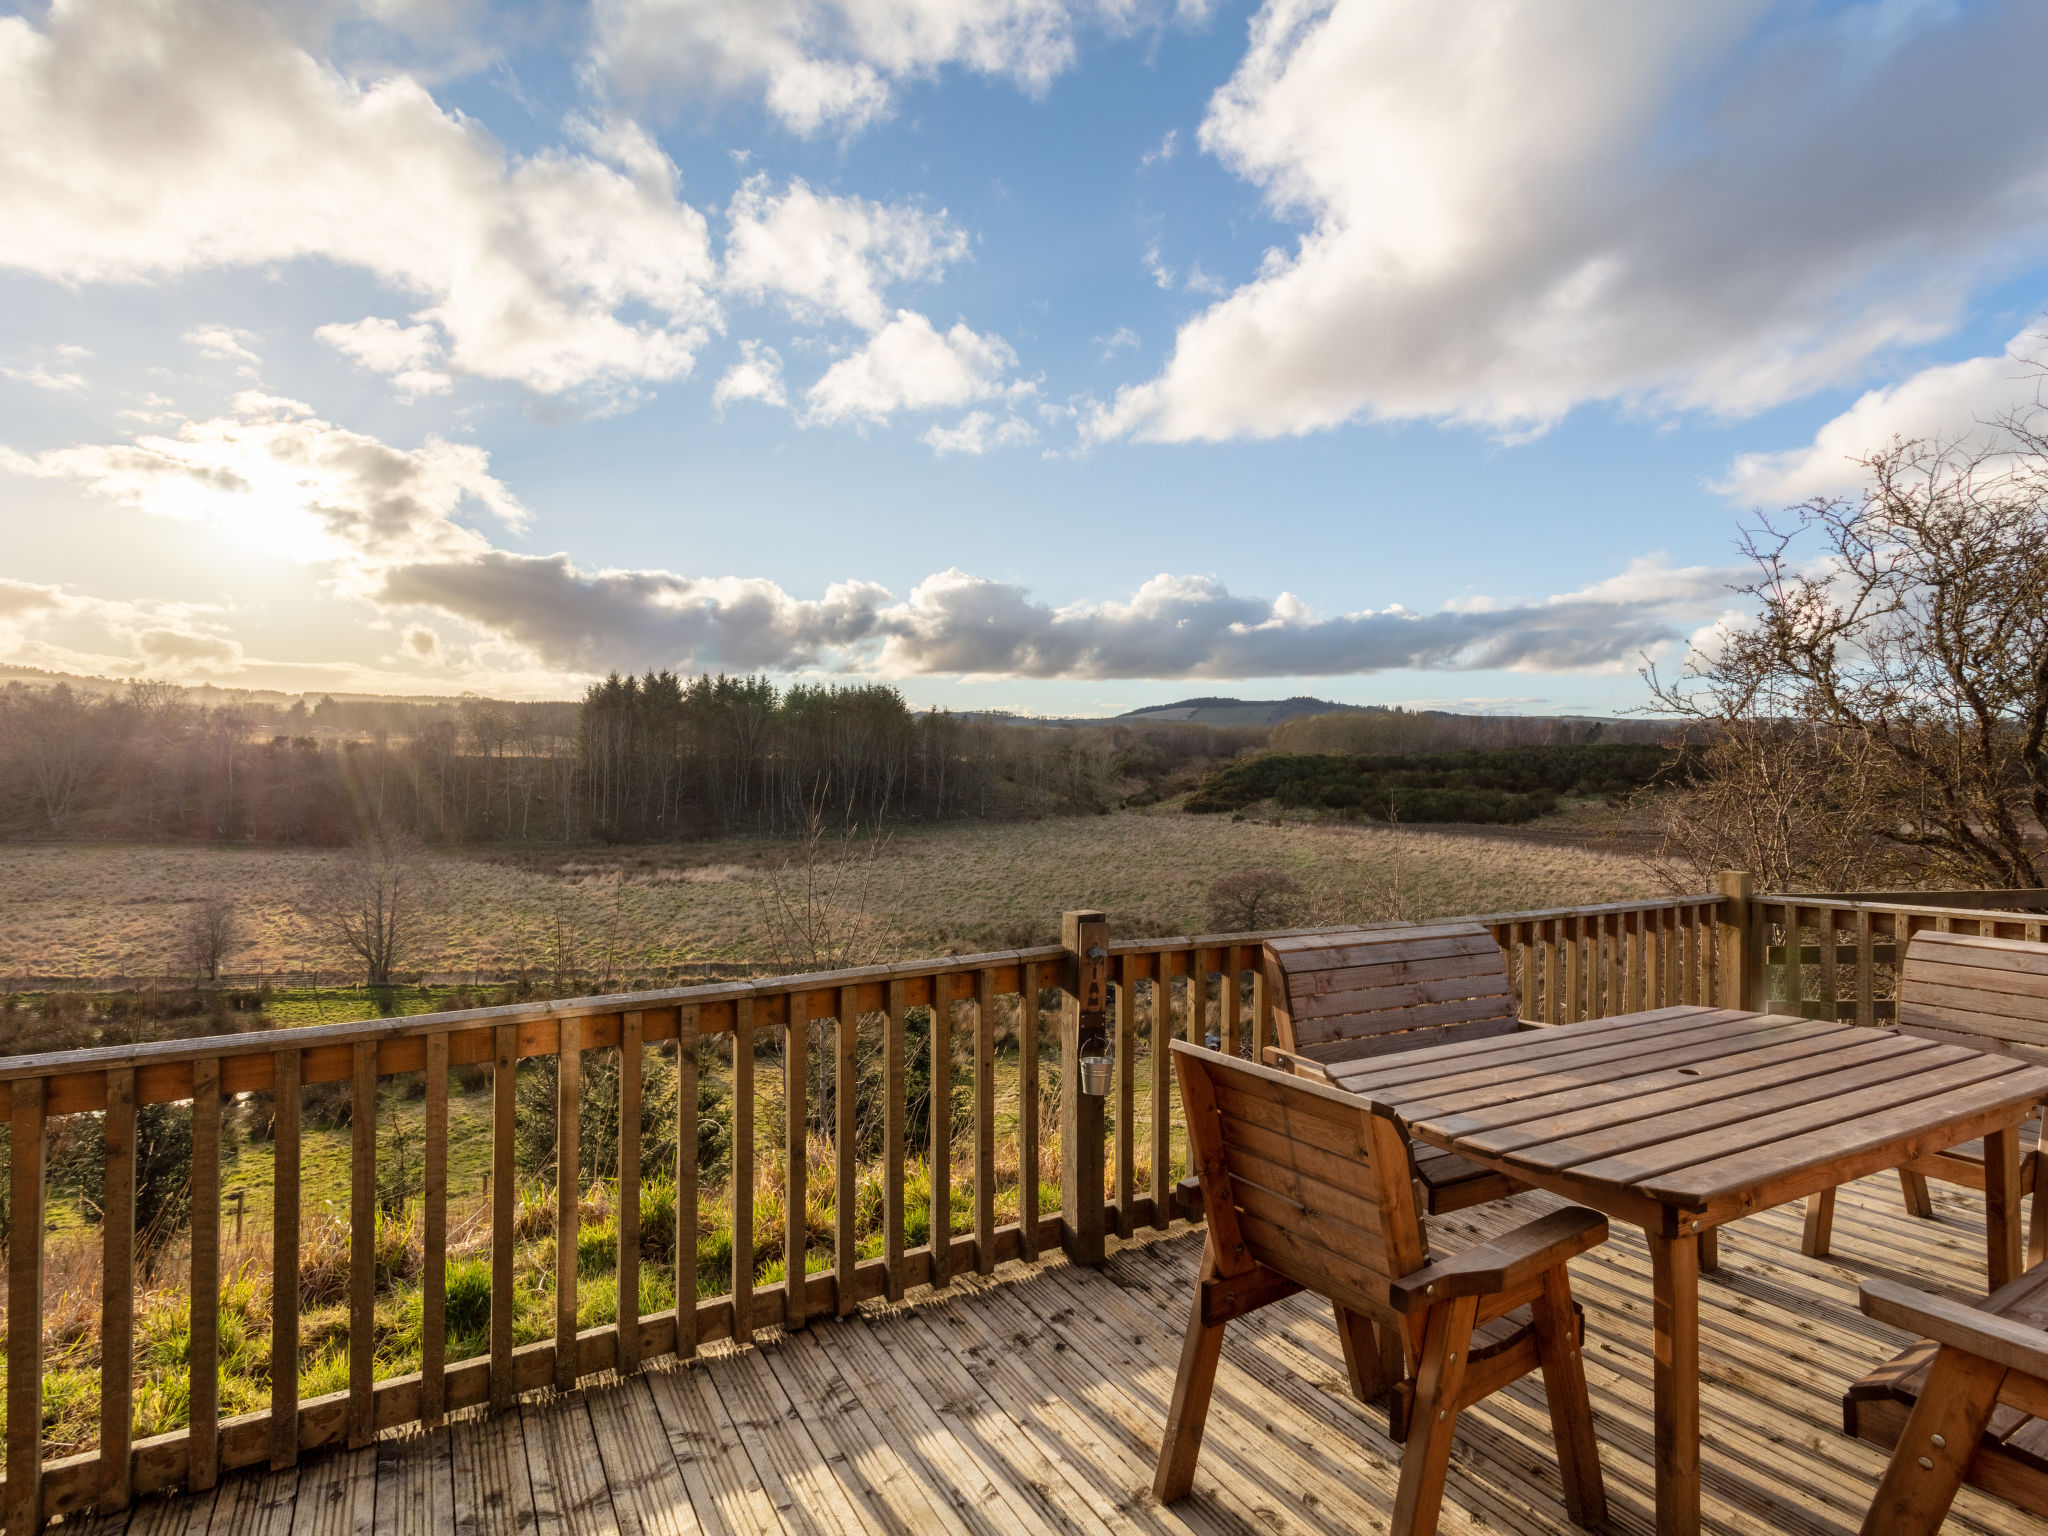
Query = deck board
x=1032 y=1402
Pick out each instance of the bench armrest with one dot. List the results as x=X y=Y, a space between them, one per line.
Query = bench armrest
x=2016 y=1346
x=1300 y=1066
x=1508 y=1262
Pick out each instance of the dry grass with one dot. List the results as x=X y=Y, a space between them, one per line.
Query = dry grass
x=114 y=911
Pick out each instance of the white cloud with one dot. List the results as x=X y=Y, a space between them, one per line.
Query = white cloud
x=1513 y=208
x=274 y=477
x=407 y=353
x=1162 y=274
x=977 y=432
x=829 y=257
x=185 y=652
x=1164 y=150
x=826 y=63
x=385 y=520
x=1946 y=402
x=756 y=376
x=1123 y=337
x=910 y=365
x=70 y=381
x=141 y=141
x=223 y=343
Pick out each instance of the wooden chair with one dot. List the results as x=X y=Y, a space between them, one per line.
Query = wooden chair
x=1967 y=1404
x=1292 y=1186
x=1374 y=991
x=1991 y=995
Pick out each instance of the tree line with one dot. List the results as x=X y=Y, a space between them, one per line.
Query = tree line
x=653 y=757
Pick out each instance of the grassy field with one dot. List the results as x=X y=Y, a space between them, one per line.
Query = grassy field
x=615 y=917
x=98 y=911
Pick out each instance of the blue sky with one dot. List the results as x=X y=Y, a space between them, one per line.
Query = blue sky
x=1061 y=355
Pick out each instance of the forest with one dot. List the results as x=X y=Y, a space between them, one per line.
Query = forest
x=659 y=757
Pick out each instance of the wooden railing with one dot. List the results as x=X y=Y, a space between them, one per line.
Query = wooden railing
x=1828 y=958
x=1571 y=963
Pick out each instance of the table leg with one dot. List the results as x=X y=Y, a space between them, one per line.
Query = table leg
x=1710 y=1251
x=1675 y=1284
x=2002 y=1205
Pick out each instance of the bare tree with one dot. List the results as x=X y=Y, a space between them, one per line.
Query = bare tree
x=376 y=904
x=211 y=929
x=56 y=735
x=816 y=909
x=1888 y=708
x=1253 y=900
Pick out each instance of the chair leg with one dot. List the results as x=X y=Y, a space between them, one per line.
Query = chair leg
x=1927 y=1466
x=1394 y=1371
x=1820 y=1224
x=1439 y=1379
x=1571 y=1411
x=1192 y=1387
x=1918 y=1201
x=1362 y=1358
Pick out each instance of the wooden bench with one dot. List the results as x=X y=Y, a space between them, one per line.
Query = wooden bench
x=1304 y=1187
x=1969 y=1403
x=1991 y=995
x=1374 y=991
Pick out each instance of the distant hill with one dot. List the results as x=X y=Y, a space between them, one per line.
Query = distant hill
x=1216 y=711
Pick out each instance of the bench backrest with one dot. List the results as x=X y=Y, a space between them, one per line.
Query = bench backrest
x=1990 y=993
x=1292 y=1168
x=1371 y=991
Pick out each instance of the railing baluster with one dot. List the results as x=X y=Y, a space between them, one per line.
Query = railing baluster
x=796 y=1113
x=941 y=1168
x=893 y=1151
x=1162 y=1102
x=686 y=1180
x=568 y=1195
x=284 y=1260
x=1866 y=972
x=985 y=1122
x=117 y=1289
x=1829 y=978
x=1532 y=973
x=845 y=1148
x=362 y=1248
x=1553 y=970
x=1656 y=970
x=1575 y=972
x=1639 y=963
x=1232 y=986
x=204 y=1441
x=1262 y=1006
x=434 y=1279
x=631 y=1027
x=25 y=1308
x=1615 y=1000
x=504 y=1174
x=1126 y=1093
x=743 y=1170
x=1027 y=1111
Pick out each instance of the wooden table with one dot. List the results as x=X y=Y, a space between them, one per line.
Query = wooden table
x=1681 y=1120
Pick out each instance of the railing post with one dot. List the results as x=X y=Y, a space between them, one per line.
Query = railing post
x=1742 y=953
x=1082 y=1012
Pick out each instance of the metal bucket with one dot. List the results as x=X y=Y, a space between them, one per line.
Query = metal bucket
x=1096 y=1072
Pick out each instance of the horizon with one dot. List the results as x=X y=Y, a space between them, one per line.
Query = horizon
x=1047 y=356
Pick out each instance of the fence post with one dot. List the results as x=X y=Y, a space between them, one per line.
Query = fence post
x=1082 y=1013
x=1742 y=952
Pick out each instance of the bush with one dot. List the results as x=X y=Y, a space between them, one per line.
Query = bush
x=1508 y=786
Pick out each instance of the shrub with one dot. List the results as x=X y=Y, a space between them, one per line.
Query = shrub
x=1252 y=900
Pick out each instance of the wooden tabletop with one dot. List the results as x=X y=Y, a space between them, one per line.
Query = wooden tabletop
x=1697 y=1109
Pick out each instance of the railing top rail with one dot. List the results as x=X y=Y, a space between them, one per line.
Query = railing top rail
x=311 y=1036
x=1902 y=907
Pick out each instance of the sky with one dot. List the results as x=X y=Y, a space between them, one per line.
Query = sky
x=1061 y=356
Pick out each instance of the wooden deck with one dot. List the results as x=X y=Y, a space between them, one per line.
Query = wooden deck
x=1033 y=1403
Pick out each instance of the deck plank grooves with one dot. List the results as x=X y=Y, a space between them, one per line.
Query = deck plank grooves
x=1031 y=1401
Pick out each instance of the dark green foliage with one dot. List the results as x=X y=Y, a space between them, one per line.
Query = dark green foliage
x=1509 y=786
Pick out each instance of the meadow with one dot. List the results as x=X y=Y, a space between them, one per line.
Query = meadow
x=590 y=918
x=651 y=911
